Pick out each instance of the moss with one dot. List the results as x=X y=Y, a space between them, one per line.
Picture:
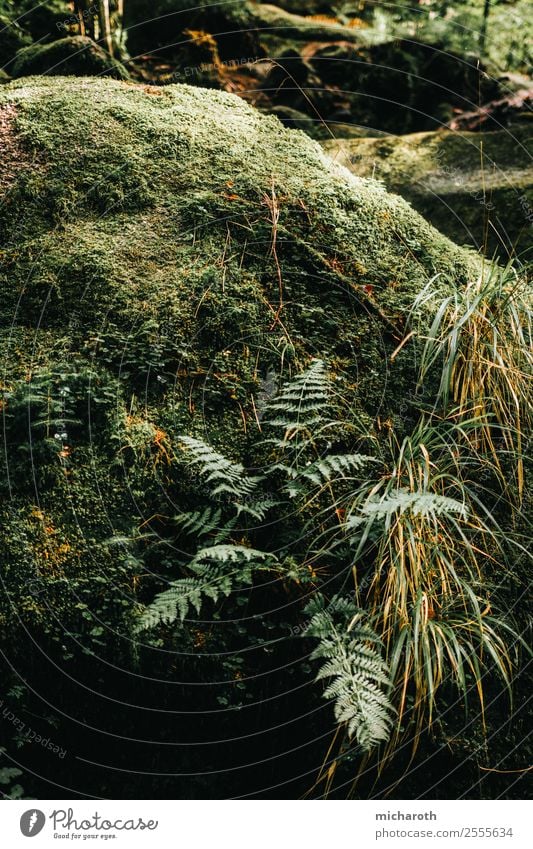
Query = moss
x=135 y=176
x=75 y=55
x=139 y=284
x=271 y=20
x=12 y=38
x=45 y=20
x=459 y=181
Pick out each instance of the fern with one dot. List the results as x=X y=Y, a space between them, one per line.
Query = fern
x=361 y=679
x=333 y=467
x=223 y=475
x=211 y=581
x=199 y=523
x=302 y=402
x=420 y=503
x=257 y=509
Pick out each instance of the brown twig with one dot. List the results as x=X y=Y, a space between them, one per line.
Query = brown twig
x=272 y=202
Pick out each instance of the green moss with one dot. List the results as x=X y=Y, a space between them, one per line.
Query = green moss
x=12 y=38
x=143 y=188
x=459 y=181
x=283 y=24
x=45 y=20
x=139 y=290
x=139 y=287
x=75 y=55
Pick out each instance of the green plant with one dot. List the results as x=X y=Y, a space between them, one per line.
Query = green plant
x=361 y=679
x=481 y=341
x=409 y=528
x=217 y=570
x=427 y=538
x=227 y=563
x=7 y=775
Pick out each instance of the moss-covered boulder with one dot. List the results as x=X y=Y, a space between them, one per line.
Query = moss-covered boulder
x=477 y=188
x=242 y=28
x=402 y=86
x=12 y=38
x=165 y=251
x=75 y=55
x=149 y=174
x=307 y=7
x=48 y=20
x=168 y=247
x=277 y=23
x=127 y=203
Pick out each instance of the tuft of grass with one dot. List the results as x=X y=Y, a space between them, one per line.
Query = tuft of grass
x=421 y=529
x=482 y=337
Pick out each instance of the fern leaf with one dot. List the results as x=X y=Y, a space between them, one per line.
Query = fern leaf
x=421 y=502
x=223 y=475
x=199 y=523
x=302 y=402
x=333 y=467
x=361 y=679
x=210 y=581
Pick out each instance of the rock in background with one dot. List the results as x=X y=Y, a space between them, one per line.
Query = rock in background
x=477 y=188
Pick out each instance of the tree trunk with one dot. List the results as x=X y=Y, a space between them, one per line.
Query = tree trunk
x=84 y=11
x=484 y=26
x=104 y=25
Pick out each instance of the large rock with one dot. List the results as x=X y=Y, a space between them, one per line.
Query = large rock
x=242 y=28
x=131 y=206
x=48 y=20
x=143 y=173
x=75 y=55
x=27 y=21
x=12 y=38
x=477 y=188
x=277 y=23
x=401 y=86
x=168 y=247
x=164 y=250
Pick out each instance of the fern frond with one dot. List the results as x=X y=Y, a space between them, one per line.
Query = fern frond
x=302 y=402
x=420 y=503
x=223 y=475
x=361 y=678
x=333 y=467
x=211 y=581
x=228 y=554
x=199 y=523
x=257 y=509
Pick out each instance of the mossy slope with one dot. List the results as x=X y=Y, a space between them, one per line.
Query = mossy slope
x=164 y=250
x=150 y=238
x=132 y=202
x=475 y=187
x=75 y=55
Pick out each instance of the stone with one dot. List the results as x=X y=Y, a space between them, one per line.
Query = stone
x=75 y=55
x=477 y=188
